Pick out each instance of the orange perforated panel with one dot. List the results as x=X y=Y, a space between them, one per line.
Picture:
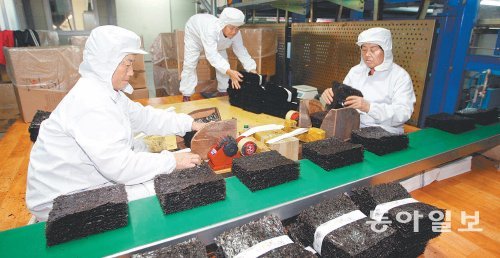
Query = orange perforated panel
x=324 y=52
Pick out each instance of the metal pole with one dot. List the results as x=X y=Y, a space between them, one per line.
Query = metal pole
x=311 y=11
x=375 y=9
x=277 y=15
x=422 y=10
x=339 y=15
x=253 y=16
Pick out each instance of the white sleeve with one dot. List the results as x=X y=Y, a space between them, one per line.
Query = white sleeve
x=154 y=121
x=241 y=52
x=401 y=107
x=101 y=136
x=209 y=41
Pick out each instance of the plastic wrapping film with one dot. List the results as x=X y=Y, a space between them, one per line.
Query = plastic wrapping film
x=261 y=42
x=78 y=41
x=48 y=38
x=44 y=67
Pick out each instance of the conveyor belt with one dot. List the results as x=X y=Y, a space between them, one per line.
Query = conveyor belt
x=149 y=226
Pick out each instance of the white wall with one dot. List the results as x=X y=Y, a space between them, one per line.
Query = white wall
x=151 y=17
x=12 y=15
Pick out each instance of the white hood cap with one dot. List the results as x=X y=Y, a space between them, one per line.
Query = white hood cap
x=105 y=49
x=381 y=37
x=232 y=16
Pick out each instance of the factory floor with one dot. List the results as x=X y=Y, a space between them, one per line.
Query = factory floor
x=478 y=190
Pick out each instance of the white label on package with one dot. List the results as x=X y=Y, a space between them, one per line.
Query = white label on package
x=329 y=226
x=265 y=246
x=382 y=208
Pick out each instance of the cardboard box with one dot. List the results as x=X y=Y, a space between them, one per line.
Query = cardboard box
x=31 y=99
x=139 y=94
x=8 y=102
x=138 y=80
x=44 y=67
x=139 y=64
x=4 y=77
x=262 y=45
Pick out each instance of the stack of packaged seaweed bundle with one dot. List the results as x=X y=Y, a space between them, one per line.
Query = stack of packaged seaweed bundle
x=189 y=188
x=480 y=116
x=190 y=248
x=265 y=237
x=332 y=153
x=85 y=213
x=392 y=204
x=337 y=228
x=265 y=169
x=450 y=123
x=34 y=128
x=379 y=141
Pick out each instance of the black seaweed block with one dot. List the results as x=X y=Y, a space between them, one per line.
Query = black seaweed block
x=237 y=240
x=189 y=188
x=332 y=153
x=263 y=170
x=278 y=100
x=250 y=96
x=481 y=116
x=188 y=137
x=317 y=118
x=355 y=239
x=450 y=123
x=379 y=141
x=340 y=93
x=86 y=213
x=190 y=248
x=38 y=118
x=367 y=198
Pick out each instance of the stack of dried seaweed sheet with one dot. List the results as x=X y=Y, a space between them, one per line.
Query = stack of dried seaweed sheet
x=189 y=188
x=332 y=153
x=38 y=118
x=190 y=248
x=265 y=169
x=392 y=204
x=480 y=116
x=450 y=123
x=336 y=228
x=85 y=213
x=317 y=118
x=379 y=141
x=340 y=94
x=250 y=96
x=261 y=238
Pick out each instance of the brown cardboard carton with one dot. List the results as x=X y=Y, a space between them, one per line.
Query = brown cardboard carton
x=8 y=102
x=44 y=67
x=4 y=77
x=31 y=99
x=262 y=45
x=138 y=80
x=139 y=64
x=139 y=94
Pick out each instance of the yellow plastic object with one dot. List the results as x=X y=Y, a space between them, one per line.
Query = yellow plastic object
x=314 y=134
x=157 y=143
x=268 y=135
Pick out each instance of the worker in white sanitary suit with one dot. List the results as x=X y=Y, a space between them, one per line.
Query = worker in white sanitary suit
x=387 y=88
x=205 y=32
x=87 y=142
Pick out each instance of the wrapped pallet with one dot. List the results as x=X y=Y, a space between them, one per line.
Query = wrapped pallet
x=42 y=76
x=262 y=45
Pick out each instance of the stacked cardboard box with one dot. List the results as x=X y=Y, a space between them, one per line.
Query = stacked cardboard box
x=42 y=76
x=168 y=58
x=262 y=45
x=9 y=111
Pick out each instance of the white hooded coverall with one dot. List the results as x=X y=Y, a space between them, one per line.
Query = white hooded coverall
x=204 y=32
x=87 y=141
x=389 y=90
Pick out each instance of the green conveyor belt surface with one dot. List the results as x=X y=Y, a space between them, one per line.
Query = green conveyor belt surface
x=147 y=223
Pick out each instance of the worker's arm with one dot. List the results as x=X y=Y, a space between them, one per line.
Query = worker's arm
x=401 y=107
x=101 y=135
x=241 y=52
x=209 y=41
x=153 y=121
